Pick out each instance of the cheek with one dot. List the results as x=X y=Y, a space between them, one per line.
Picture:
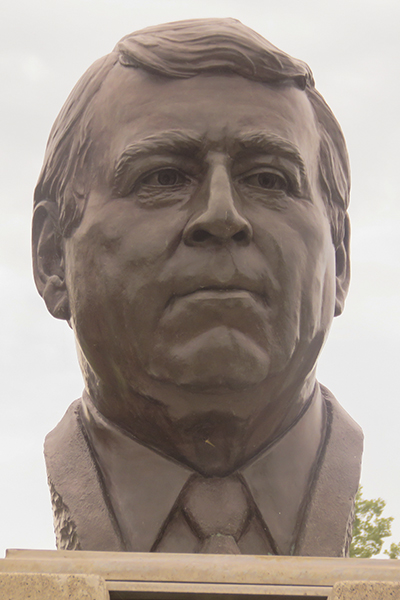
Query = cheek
x=133 y=235
x=113 y=270
x=295 y=241
x=313 y=271
x=124 y=238
x=297 y=244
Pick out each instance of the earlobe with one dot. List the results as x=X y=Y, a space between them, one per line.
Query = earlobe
x=343 y=268
x=48 y=260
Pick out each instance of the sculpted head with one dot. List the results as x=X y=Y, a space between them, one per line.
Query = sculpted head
x=190 y=224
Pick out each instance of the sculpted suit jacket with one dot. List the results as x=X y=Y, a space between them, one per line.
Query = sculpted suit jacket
x=76 y=484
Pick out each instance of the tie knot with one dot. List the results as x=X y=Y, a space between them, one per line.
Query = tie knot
x=216 y=506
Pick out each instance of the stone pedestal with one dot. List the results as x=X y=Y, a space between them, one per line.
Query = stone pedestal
x=52 y=586
x=68 y=575
x=365 y=590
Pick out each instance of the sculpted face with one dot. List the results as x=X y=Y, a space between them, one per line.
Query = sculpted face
x=204 y=260
x=190 y=224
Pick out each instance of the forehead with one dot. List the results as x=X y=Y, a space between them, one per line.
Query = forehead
x=133 y=104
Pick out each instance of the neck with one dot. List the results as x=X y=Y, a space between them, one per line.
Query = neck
x=211 y=433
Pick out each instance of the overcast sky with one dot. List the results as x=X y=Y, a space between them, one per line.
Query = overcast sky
x=353 y=48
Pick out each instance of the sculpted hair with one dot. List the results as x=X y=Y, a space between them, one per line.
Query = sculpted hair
x=185 y=49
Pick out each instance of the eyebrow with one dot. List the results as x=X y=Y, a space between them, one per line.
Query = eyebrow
x=186 y=143
x=275 y=145
x=180 y=143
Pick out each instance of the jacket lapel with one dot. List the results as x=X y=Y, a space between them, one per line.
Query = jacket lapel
x=75 y=479
x=327 y=525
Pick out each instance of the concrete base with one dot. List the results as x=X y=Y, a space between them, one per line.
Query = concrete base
x=72 y=575
x=365 y=590
x=51 y=586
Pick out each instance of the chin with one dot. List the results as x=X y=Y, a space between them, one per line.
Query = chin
x=216 y=361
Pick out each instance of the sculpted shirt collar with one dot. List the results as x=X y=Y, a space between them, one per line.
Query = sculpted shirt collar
x=140 y=480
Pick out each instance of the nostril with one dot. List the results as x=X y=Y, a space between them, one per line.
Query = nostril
x=200 y=235
x=240 y=236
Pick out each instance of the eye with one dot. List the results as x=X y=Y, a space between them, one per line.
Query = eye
x=164 y=178
x=267 y=180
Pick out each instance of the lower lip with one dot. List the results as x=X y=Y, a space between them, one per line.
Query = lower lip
x=235 y=295
x=212 y=303
x=218 y=294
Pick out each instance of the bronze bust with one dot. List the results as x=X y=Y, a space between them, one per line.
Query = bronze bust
x=191 y=225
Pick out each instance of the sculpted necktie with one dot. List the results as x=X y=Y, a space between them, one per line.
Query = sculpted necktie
x=218 y=510
x=215 y=515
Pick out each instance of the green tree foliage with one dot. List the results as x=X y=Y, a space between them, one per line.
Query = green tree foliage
x=370 y=529
x=394 y=551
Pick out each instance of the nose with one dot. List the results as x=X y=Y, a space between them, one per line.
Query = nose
x=220 y=221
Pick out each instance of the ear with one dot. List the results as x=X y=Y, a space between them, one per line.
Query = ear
x=343 y=268
x=48 y=259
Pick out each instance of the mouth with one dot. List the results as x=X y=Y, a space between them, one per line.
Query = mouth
x=220 y=294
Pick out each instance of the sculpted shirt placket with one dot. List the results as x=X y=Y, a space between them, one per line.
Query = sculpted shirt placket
x=140 y=481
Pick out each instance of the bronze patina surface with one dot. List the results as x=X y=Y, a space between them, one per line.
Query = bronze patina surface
x=191 y=226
